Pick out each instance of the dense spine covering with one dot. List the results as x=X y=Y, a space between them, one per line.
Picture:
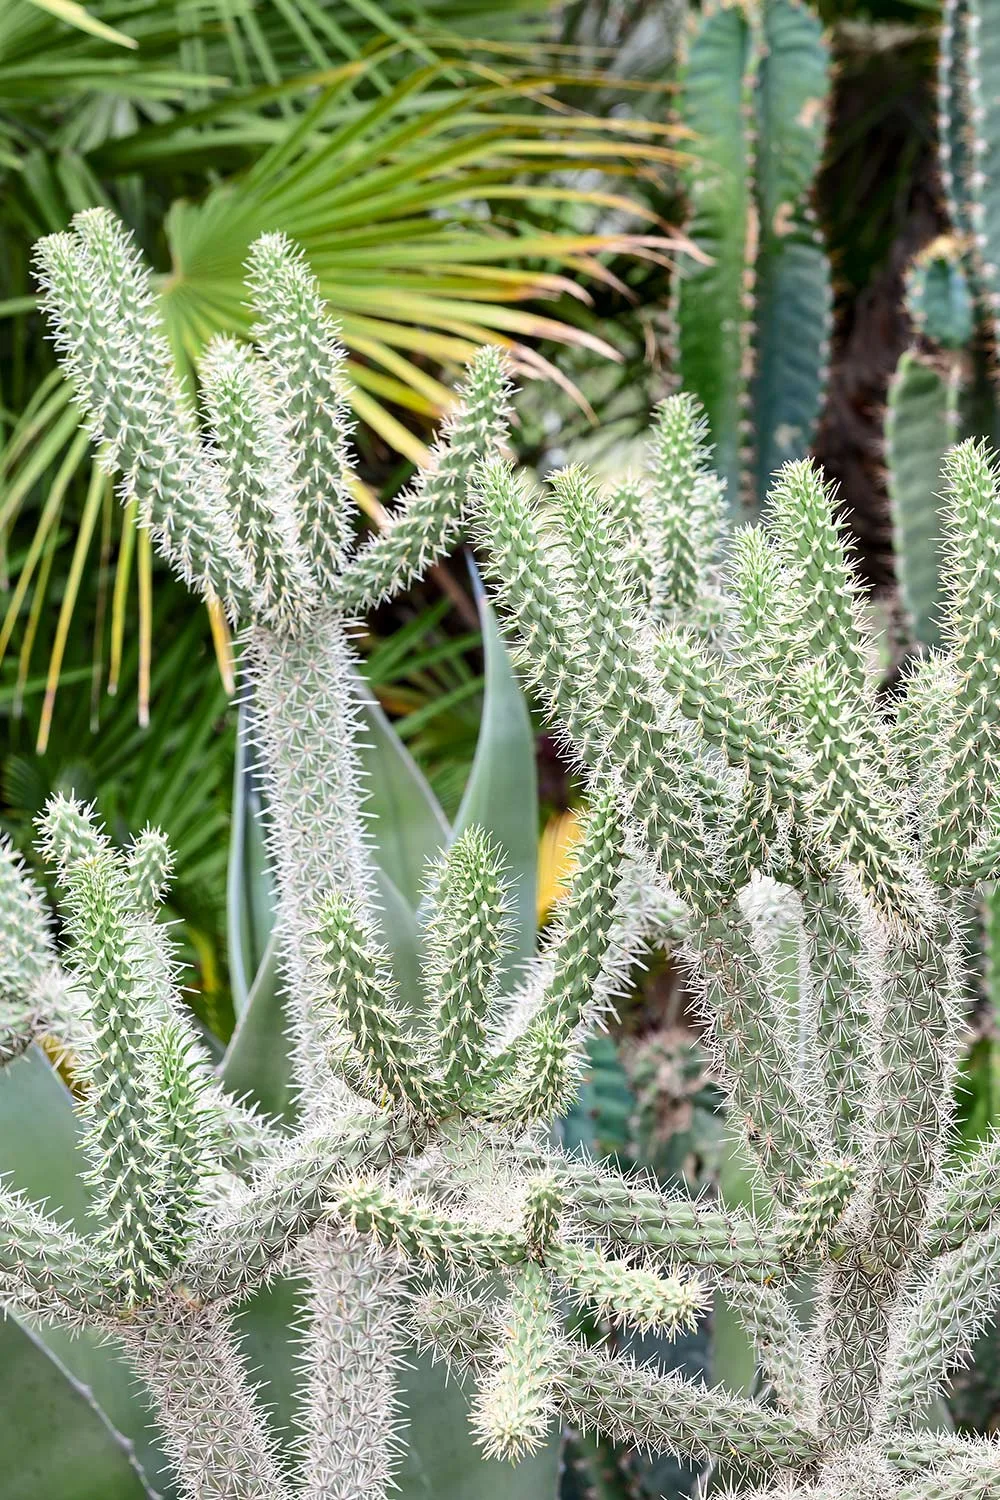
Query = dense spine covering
x=298 y=340
x=428 y=522
x=467 y=934
x=103 y=312
x=716 y=760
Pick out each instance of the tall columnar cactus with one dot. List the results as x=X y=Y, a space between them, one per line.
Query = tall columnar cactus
x=730 y=752
x=944 y=386
x=753 y=318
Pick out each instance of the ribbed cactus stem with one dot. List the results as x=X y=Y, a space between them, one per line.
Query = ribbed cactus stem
x=419 y=1232
x=28 y=966
x=913 y=1082
x=45 y=1269
x=781 y=1345
x=127 y=1151
x=682 y=1231
x=852 y=1326
x=186 y=1129
x=363 y=995
x=967 y=782
x=779 y=1127
x=826 y=592
x=150 y=864
x=249 y=1241
x=684 y=506
x=936 y=1326
x=843 y=1002
x=966 y=1200
x=305 y=712
x=626 y=1293
x=631 y=1403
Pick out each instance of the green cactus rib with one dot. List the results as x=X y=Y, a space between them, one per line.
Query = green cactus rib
x=429 y=520
x=954 y=123
x=216 y=1435
x=792 y=295
x=935 y=1329
x=45 y=1268
x=634 y=1403
x=981 y=62
x=843 y=1001
x=298 y=340
x=711 y=299
x=515 y=1404
x=921 y=424
x=288 y=1199
x=966 y=1201
x=467 y=934
x=753 y=326
x=684 y=1232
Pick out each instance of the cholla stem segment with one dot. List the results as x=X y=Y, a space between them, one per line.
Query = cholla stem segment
x=216 y=1436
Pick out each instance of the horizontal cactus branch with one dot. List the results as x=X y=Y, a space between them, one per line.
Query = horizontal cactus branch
x=741 y=776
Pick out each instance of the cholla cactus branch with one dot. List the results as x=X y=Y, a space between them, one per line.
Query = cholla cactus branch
x=125 y=1141
x=843 y=1000
x=935 y=1328
x=251 y=1239
x=682 y=1231
x=101 y=307
x=214 y=1432
x=306 y=727
x=967 y=767
x=810 y=1221
x=467 y=934
x=825 y=593
x=306 y=362
x=349 y=1356
x=150 y=863
x=515 y=1404
x=633 y=1403
x=262 y=492
x=428 y=522
x=682 y=515
x=45 y=1269
x=966 y=1201
x=780 y=1343
x=28 y=965
x=362 y=990
x=629 y=1294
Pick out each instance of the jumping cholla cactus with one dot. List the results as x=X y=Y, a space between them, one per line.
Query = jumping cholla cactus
x=719 y=698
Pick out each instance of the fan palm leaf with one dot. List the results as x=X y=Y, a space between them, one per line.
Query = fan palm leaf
x=424 y=181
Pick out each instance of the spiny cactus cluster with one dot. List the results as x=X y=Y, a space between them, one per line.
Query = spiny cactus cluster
x=719 y=698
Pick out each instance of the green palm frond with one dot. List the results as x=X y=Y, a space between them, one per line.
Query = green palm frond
x=424 y=155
